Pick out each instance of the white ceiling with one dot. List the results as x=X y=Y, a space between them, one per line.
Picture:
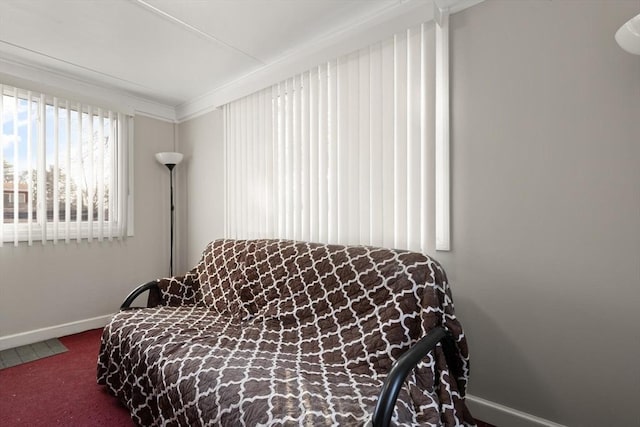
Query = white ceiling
x=175 y=59
x=170 y=51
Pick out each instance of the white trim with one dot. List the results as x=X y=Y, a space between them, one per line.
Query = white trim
x=22 y=74
x=369 y=30
x=455 y=6
x=501 y=415
x=355 y=36
x=37 y=335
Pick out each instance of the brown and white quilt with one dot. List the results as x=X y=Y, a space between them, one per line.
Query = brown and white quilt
x=283 y=333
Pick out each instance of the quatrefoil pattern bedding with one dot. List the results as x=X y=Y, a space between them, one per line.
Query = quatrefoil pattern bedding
x=280 y=333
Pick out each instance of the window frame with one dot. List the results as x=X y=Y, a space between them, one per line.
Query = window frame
x=41 y=228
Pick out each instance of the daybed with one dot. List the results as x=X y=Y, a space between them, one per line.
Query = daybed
x=273 y=332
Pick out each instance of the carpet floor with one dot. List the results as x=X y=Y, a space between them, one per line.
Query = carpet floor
x=61 y=390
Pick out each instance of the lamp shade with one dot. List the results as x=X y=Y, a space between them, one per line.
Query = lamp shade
x=169 y=158
x=628 y=36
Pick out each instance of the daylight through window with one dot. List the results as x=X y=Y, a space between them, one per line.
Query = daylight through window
x=64 y=169
x=346 y=152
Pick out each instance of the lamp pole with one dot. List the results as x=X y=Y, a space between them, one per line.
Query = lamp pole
x=170 y=160
x=171 y=166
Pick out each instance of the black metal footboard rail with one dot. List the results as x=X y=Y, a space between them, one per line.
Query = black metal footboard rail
x=398 y=373
x=153 y=289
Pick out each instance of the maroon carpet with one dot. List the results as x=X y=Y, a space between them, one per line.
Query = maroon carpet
x=60 y=390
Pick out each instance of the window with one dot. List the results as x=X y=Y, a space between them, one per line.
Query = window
x=64 y=169
x=348 y=151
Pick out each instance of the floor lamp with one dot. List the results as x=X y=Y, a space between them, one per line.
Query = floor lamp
x=170 y=160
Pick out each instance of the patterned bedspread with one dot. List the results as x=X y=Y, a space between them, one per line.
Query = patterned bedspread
x=272 y=332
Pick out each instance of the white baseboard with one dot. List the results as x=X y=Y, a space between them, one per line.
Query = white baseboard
x=503 y=416
x=30 y=337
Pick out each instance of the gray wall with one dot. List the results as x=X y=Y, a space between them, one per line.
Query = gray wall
x=45 y=286
x=201 y=196
x=545 y=263
x=545 y=266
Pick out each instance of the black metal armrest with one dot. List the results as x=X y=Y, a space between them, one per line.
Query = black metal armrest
x=398 y=373
x=149 y=286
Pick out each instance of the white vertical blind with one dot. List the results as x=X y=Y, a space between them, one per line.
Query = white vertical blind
x=41 y=182
x=67 y=183
x=64 y=168
x=2 y=162
x=56 y=169
x=16 y=166
x=442 y=134
x=79 y=170
x=90 y=178
x=101 y=176
x=342 y=153
x=30 y=184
